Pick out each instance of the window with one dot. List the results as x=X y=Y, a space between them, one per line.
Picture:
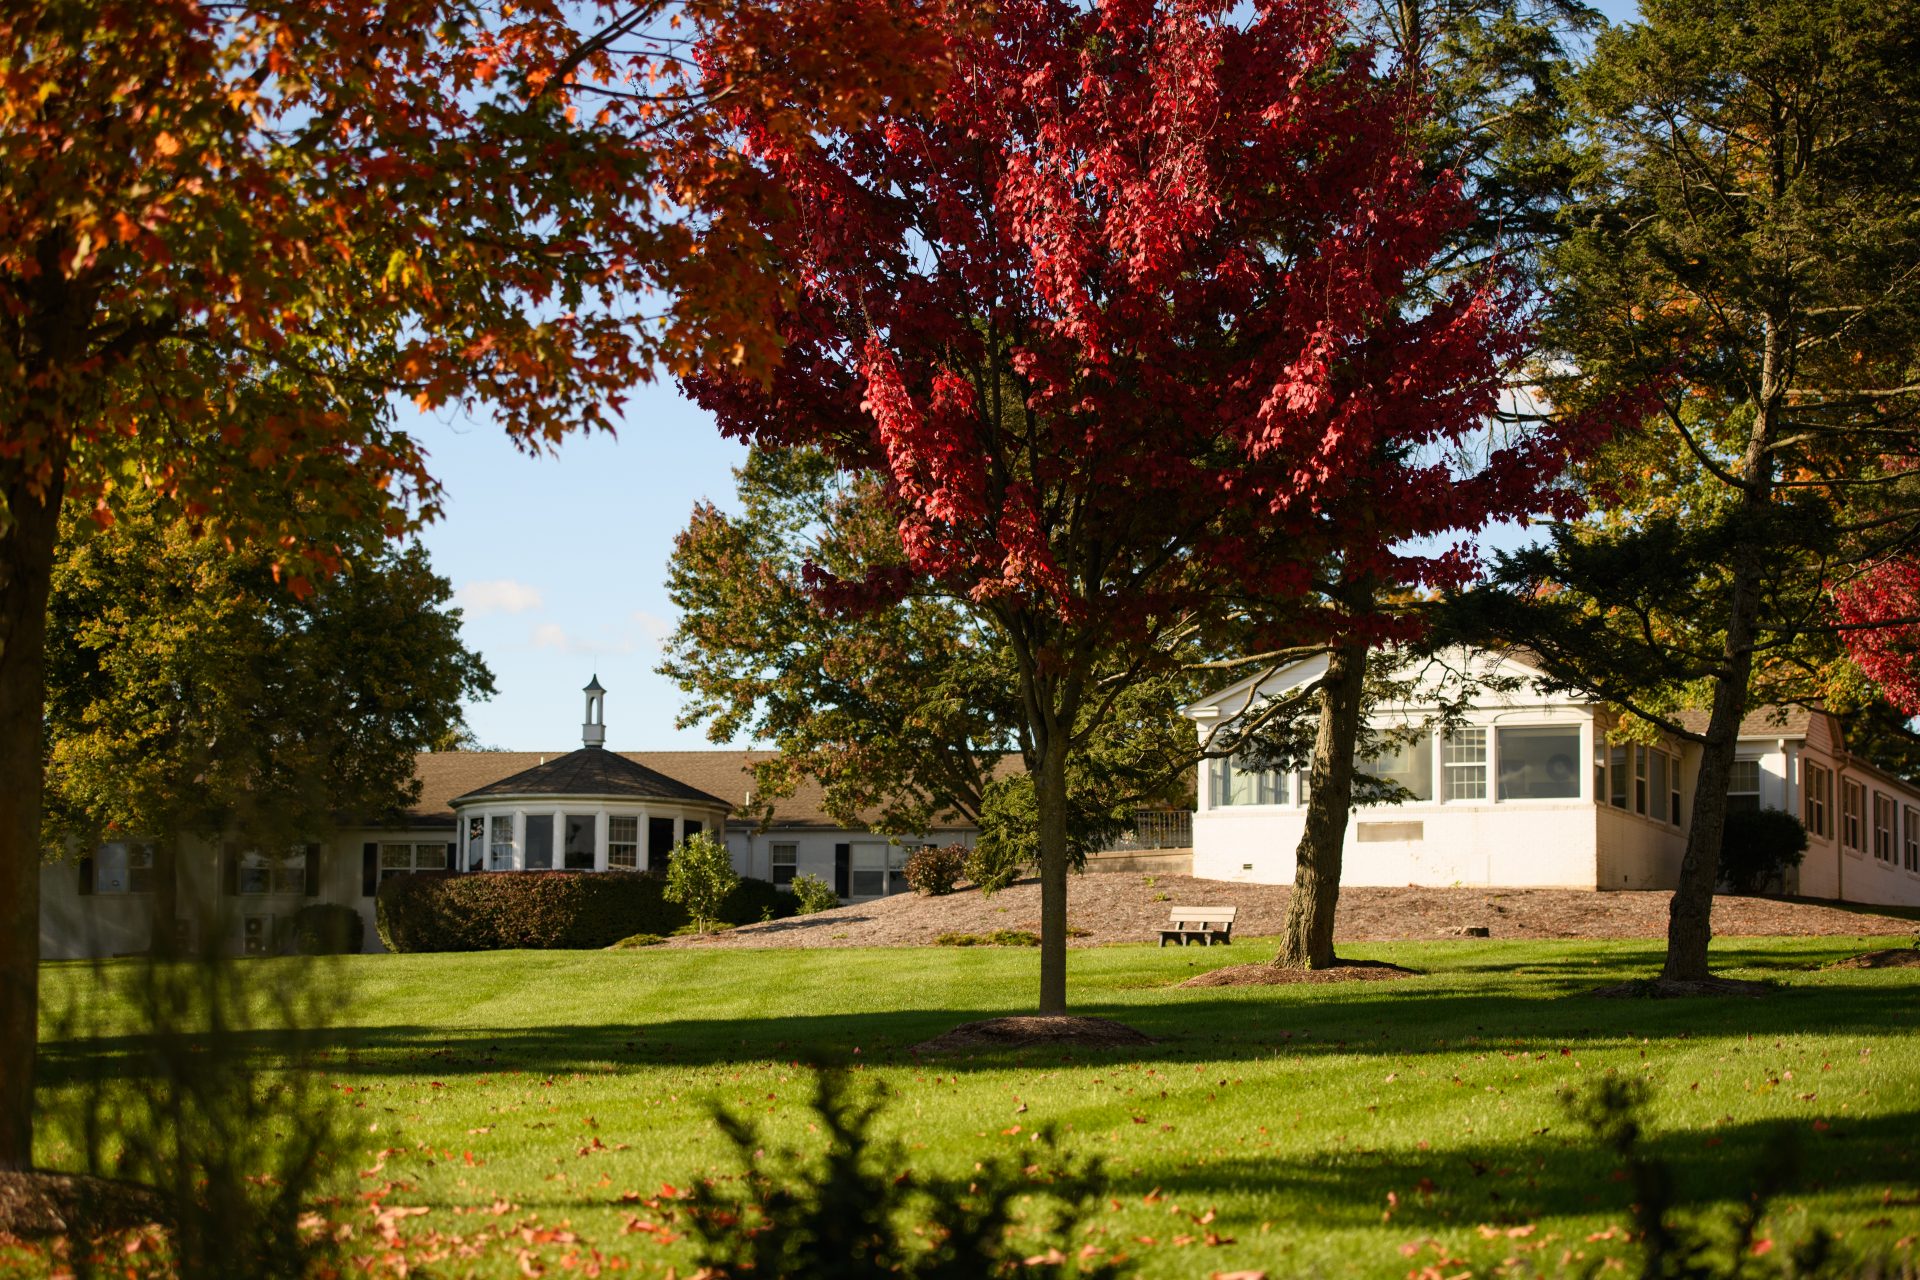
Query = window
x=1674 y=793
x=786 y=862
x=500 y=851
x=1540 y=763
x=1640 y=754
x=263 y=873
x=1657 y=784
x=1743 y=787
x=583 y=832
x=897 y=868
x=1622 y=768
x=1409 y=764
x=476 y=844
x=1463 y=762
x=1237 y=781
x=539 y=842
x=399 y=859
x=1883 y=819
x=870 y=870
x=122 y=867
x=692 y=829
x=1853 y=810
x=1910 y=849
x=623 y=842
x=659 y=842
x=1816 y=781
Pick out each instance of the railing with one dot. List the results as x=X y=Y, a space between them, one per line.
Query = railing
x=1155 y=829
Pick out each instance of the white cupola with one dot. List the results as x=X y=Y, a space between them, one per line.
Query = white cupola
x=593 y=731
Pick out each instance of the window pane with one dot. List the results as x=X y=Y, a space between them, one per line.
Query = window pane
x=1539 y=764
x=1659 y=785
x=430 y=857
x=1744 y=777
x=396 y=857
x=539 y=842
x=623 y=842
x=869 y=884
x=476 y=844
x=502 y=855
x=693 y=829
x=1408 y=764
x=786 y=861
x=583 y=831
x=1621 y=771
x=255 y=875
x=290 y=872
x=659 y=842
x=1464 y=757
x=140 y=868
x=110 y=870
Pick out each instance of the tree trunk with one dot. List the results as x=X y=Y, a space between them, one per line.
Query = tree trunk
x=1050 y=797
x=26 y=569
x=1690 y=915
x=1308 y=943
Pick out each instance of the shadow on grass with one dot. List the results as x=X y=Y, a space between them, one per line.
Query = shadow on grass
x=1414 y=1017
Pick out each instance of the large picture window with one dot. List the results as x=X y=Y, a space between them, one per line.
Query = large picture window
x=1539 y=763
x=623 y=842
x=1463 y=762
x=1237 y=782
x=1408 y=764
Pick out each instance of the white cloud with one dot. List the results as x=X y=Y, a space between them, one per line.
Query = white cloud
x=497 y=595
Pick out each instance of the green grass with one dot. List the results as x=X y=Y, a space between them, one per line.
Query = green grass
x=1361 y=1129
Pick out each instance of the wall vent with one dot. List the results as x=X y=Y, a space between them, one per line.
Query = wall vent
x=1389 y=832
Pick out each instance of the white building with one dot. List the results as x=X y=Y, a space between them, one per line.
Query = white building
x=1528 y=792
x=587 y=810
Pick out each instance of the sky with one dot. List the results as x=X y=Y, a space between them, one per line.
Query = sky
x=559 y=562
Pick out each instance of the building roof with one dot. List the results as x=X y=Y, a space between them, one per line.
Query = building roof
x=1761 y=722
x=721 y=777
x=591 y=771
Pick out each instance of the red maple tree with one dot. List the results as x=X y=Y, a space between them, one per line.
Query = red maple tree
x=231 y=235
x=1122 y=319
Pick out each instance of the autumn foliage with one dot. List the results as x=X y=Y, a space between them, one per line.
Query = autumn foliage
x=1122 y=322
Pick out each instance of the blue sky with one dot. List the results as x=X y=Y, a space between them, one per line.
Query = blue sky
x=559 y=562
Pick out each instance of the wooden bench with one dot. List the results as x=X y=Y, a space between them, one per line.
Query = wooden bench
x=1205 y=925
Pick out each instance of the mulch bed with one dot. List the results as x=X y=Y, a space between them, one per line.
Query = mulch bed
x=1678 y=988
x=1266 y=975
x=1034 y=1031
x=56 y=1204
x=1893 y=958
x=1126 y=906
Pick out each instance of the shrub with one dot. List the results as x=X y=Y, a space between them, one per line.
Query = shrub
x=992 y=865
x=1759 y=847
x=811 y=894
x=326 y=929
x=501 y=910
x=859 y=1209
x=755 y=900
x=934 y=871
x=637 y=941
x=700 y=876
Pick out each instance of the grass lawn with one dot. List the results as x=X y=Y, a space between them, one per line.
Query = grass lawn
x=1360 y=1129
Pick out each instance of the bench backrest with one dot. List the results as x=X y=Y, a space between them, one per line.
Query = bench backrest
x=1204 y=915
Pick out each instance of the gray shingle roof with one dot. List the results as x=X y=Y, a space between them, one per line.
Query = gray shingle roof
x=592 y=771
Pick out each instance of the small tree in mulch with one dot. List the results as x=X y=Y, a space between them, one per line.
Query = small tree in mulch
x=812 y=895
x=700 y=875
x=934 y=871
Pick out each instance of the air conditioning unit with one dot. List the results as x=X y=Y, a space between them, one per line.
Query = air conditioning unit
x=256 y=936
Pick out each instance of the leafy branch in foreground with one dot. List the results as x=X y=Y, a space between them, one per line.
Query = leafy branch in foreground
x=858 y=1209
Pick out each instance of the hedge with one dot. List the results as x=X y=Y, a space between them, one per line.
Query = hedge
x=326 y=929
x=544 y=910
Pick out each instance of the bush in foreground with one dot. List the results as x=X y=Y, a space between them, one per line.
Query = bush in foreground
x=327 y=929
x=1759 y=847
x=812 y=895
x=934 y=871
x=700 y=875
x=860 y=1209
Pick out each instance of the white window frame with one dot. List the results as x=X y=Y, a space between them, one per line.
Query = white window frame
x=404 y=857
x=631 y=860
x=288 y=868
x=133 y=858
x=1816 y=798
x=775 y=863
x=503 y=855
x=1884 y=835
x=1853 y=815
x=1910 y=837
x=1463 y=764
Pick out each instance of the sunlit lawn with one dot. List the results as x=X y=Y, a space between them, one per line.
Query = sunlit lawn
x=1355 y=1129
